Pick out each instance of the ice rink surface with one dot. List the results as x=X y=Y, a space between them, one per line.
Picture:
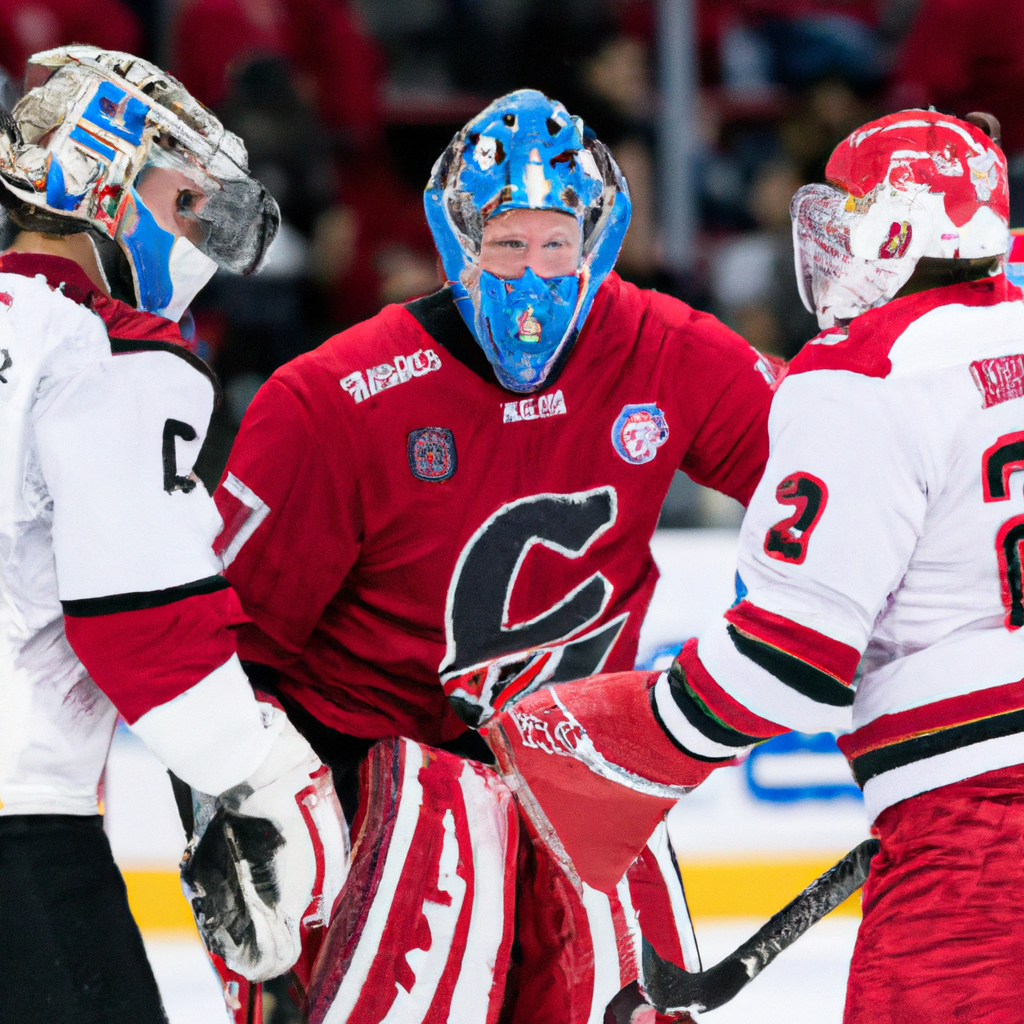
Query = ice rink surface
x=805 y=985
x=190 y=989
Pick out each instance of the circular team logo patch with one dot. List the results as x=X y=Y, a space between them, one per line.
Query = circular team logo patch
x=432 y=453
x=639 y=432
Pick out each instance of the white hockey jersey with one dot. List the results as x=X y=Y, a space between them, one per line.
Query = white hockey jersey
x=881 y=554
x=105 y=553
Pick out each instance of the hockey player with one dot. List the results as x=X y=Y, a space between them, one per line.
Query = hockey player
x=129 y=195
x=881 y=561
x=449 y=504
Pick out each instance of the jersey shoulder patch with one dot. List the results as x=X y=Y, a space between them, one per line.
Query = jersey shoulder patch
x=381 y=353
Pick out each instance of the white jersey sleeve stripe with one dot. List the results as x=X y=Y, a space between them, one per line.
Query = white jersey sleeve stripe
x=682 y=731
x=213 y=735
x=244 y=524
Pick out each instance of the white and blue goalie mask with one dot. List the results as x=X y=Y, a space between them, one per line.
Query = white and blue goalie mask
x=78 y=144
x=525 y=152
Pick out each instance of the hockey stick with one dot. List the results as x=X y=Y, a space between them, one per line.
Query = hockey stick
x=671 y=989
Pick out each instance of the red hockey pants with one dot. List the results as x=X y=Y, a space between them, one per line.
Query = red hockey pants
x=942 y=940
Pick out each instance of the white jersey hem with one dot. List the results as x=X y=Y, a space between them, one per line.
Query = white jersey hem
x=21 y=799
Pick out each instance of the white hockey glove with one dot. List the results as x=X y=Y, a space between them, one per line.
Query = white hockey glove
x=268 y=859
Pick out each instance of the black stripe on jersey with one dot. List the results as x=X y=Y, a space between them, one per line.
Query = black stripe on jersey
x=675 y=743
x=438 y=315
x=128 y=346
x=698 y=715
x=795 y=673
x=896 y=755
x=90 y=606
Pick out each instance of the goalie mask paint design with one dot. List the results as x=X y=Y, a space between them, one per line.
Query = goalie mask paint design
x=79 y=143
x=525 y=322
x=526 y=152
x=912 y=184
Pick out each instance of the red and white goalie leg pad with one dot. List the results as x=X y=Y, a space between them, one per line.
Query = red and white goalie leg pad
x=656 y=890
x=422 y=930
x=242 y=998
x=580 y=947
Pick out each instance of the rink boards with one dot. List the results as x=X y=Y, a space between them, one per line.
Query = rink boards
x=748 y=839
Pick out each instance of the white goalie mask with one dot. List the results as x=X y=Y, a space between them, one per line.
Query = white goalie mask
x=81 y=139
x=909 y=185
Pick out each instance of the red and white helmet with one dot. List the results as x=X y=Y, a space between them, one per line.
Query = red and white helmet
x=911 y=184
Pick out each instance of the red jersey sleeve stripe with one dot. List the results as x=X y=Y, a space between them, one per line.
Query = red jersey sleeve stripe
x=724 y=708
x=147 y=655
x=821 y=652
x=942 y=714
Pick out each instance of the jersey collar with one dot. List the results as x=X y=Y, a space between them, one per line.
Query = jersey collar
x=67 y=277
x=864 y=346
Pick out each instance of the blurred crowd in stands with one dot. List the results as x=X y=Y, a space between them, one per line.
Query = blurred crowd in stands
x=345 y=104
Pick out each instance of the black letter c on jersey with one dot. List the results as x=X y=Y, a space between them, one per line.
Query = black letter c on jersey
x=476 y=617
x=1004 y=458
x=172 y=481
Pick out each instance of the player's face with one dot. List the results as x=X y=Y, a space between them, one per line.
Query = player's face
x=170 y=196
x=546 y=240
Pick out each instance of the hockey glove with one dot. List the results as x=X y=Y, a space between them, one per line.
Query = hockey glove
x=593 y=770
x=268 y=859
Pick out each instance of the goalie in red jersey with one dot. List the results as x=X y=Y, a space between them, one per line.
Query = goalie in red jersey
x=445 y=507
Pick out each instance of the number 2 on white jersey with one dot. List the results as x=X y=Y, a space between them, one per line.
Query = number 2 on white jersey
x=997 y=464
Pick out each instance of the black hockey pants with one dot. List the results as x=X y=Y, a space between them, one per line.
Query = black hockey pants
x=70 y=952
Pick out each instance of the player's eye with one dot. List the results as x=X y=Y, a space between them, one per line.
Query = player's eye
x=187 y=202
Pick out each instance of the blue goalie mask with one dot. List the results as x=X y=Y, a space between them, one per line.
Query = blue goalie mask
x=526 y=152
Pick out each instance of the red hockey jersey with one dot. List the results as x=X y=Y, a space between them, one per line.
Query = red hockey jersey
x=393 y=518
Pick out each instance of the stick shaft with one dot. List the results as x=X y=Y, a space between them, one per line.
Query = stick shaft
x=671 y=989
x=821 y=897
